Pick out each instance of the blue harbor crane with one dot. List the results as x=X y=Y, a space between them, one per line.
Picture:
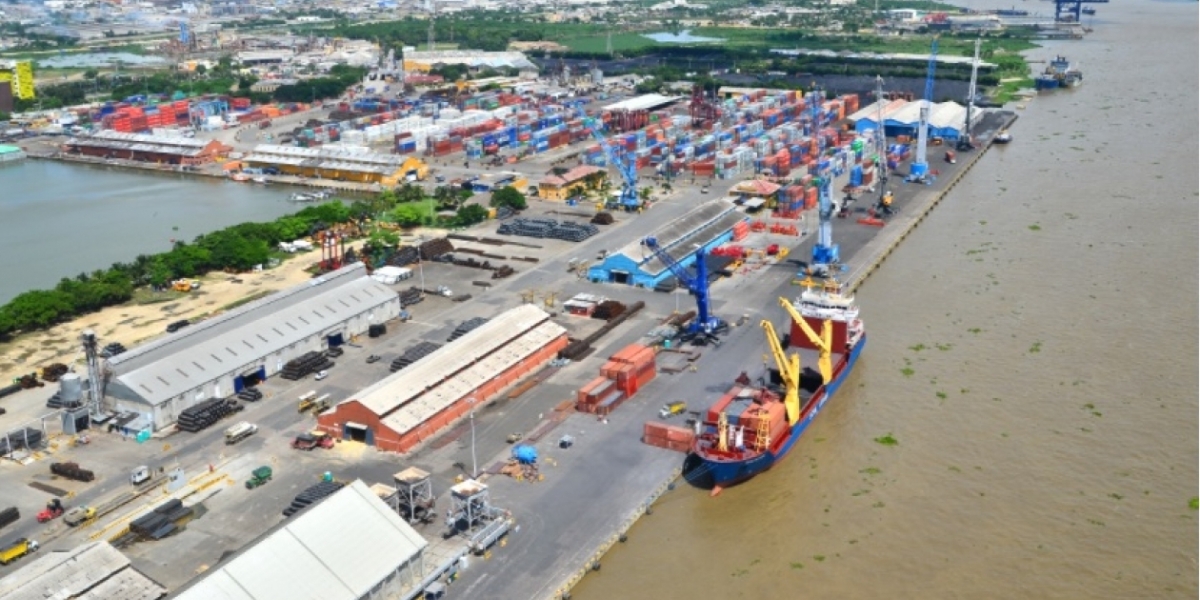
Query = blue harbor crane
x=705 y=326
x=825 y=252
x=919 y=171
x=626 y=168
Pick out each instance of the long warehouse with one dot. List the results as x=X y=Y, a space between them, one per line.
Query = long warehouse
x=709 y=225
x=410 y=406
x=220 y=356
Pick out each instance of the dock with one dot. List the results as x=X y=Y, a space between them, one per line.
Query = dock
x=591 y=499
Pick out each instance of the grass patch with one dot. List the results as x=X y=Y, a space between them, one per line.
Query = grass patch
x=907 y=372
x=819 y=557
x=941 y=395
x=870 y=471
x=1035 y=227
x=143 y=296
x=887 y=440
x=1035 y=348
x=796 y=566
x=917 y=348
x=1193 y=504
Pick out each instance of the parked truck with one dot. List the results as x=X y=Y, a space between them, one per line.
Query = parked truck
x=240 y=432
x=313 y=439
x=78 y=515
x=258 y=477
x=671 y=409
x=16 y=550
x=54 y=509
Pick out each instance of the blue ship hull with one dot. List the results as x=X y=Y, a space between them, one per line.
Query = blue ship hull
x=728 y=472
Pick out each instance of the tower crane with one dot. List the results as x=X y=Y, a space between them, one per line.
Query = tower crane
x=825 y=252
x=823 y=340
x=789 y=372
x=705 y=325
x=964 y=140
x=627 y=169
x=920 y=166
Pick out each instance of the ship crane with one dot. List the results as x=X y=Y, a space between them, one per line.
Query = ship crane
x=920 y=167
x=627 y=169
x=823 y=340
x=789 y=372
x=705 y=325
x=964 y=140
x=825 y=252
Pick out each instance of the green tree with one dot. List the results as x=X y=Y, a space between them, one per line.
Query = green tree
x=470 y=215
x=410 y=193
x=510 y=197
x=34 y=309
x=645 y=194
x=383 y=238
x=407 y=215
x=91 y=74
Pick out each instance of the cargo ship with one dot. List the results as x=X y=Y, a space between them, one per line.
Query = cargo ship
x=755 y=424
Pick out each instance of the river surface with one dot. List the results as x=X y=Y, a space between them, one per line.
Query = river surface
x=1033 y=351
x=57 y=219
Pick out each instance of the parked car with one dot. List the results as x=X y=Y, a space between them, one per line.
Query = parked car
x=322 y=375
x=374 y=358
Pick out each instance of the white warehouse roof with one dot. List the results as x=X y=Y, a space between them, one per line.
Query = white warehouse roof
x=183 y=361
x=643 y=102
x=339 y=549
x=395 y=391
x=941 y=115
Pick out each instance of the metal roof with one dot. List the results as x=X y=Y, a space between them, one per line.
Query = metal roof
x=698 y=226
x=165 y=140
x=115 y=140
x=433 y=401
x=183 y=361
x=871 y=111
x=323 y=156
x=339 y=549
x=95 y=570
x=643 y=102
x=424 y=377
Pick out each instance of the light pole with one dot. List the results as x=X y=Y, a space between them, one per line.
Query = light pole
x=474 y=470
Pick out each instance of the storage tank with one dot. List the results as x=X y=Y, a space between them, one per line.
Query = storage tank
x=70 y=388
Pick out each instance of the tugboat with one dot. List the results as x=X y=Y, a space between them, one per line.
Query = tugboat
x=1059 y=73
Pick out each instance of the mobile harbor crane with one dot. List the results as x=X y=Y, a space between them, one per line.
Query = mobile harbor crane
x=705 y=326
x=825 y=252
x=919 y=172
x=627 y=169
x=964 y=140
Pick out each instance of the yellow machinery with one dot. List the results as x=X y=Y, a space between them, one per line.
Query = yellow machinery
x=823 y=341
x=789 y=372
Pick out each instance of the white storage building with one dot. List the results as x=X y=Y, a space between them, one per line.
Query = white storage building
x=219 y=357
x=349 y=546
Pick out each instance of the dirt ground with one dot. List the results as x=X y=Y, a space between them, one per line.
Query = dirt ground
x=146 y=316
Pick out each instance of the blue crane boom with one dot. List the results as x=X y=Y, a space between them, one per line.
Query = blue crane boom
x=625 y=168
x=697 y=284
x=825 y=252
x=920 y=165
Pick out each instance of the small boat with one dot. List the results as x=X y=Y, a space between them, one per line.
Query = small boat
x=1087 y=10
x=262 y=180
x=240 y=177
x=1003 y=137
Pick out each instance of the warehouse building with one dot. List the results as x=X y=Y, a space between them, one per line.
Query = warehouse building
x=147 y=148
x=222 y=355
x=94 y=570
x=340 y=165
x=349 y=546
x=902 y=117
x=708 y=225
x=424 y=61
x=409 y=407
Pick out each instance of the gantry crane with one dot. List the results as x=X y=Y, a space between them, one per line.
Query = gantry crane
x=920 y=165
x=964 y=140
x=822 y=341
x=789 y=372
x=705 y=325
x=825 y=252
x=627 y=169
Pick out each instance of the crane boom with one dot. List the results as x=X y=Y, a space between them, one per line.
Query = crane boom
x=825 y=252
x=920 y=166
x=823 y=341
x=789 y=372
x=628 y=172
x=964 y=140
x=698 y=284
